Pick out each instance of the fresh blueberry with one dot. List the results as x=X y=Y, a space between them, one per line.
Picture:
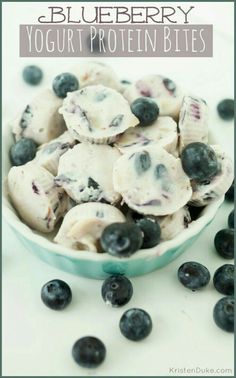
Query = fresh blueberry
x=225 y=109
x=223 y=313
x=22 y=151
x=199 y=161
x=121 y=239
x=89 y=352
x=32 y=75
x=151 y=232
x=231 y=219
x=135 y=324
x=224 y=243
x=229 y=195
x=63 y=83
x=56 y=294
x=146 y=110
x=142 y=162
x=193 y=275
x=195 y=212
x=125 y=82
x=223 y=279
x=117 y=290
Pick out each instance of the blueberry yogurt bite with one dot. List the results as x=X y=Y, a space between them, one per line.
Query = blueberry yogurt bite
x=94 y=73
x=162 y=90
x=162 y=133
x=38 y=202
x=193 y=121
x=48 y=154
x=152 y=181
x=40 y=120
x=97 y=114
x=83 y=225
x=85 y=173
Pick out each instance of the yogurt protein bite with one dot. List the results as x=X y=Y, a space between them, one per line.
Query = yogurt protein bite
x=161 y=89
x=193 y=121
x=33 y=193
x=97 y=114
x=84 y=224
x=162 y=133
x=152 y=181
x=40 y=120
x=94 y=72
x=85 y=173
x=48 y=154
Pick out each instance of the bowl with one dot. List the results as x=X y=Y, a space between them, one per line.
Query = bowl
x=94 y=265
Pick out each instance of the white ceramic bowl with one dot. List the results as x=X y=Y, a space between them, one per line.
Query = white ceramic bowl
x=94 y=265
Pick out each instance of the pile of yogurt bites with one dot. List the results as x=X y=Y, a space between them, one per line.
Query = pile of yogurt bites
x=122 y=164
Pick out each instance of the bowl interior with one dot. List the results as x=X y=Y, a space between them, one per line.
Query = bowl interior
x=46 y=242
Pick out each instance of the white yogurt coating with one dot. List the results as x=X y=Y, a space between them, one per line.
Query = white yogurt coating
x=162 y=90
x=83 y=225
x=32 y=191
x=97 y=114
x=193 y=121
x=172 y=225
x=94 y=72
x=40 y=120
x=85 y=173
x=152 y=181
x=162 y=133
x=205 y=193
x=48 y=154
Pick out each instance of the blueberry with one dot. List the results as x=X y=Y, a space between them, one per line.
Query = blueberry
x=63 y=83
x=199 y=161
x=56 y=294
x=151 y=232
x=223 y=279
x=146 y=110
x=193 y=275
x=225 y=109
x=117 y=290
x=231 y=219
x=223 y=313
x=32 y=75
x=121 y=239
x=89 y=352
x=142 y=162
x=229 y=195
x=135 y=324
x=224 y=243
x=23 y=151
x=126 y=82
